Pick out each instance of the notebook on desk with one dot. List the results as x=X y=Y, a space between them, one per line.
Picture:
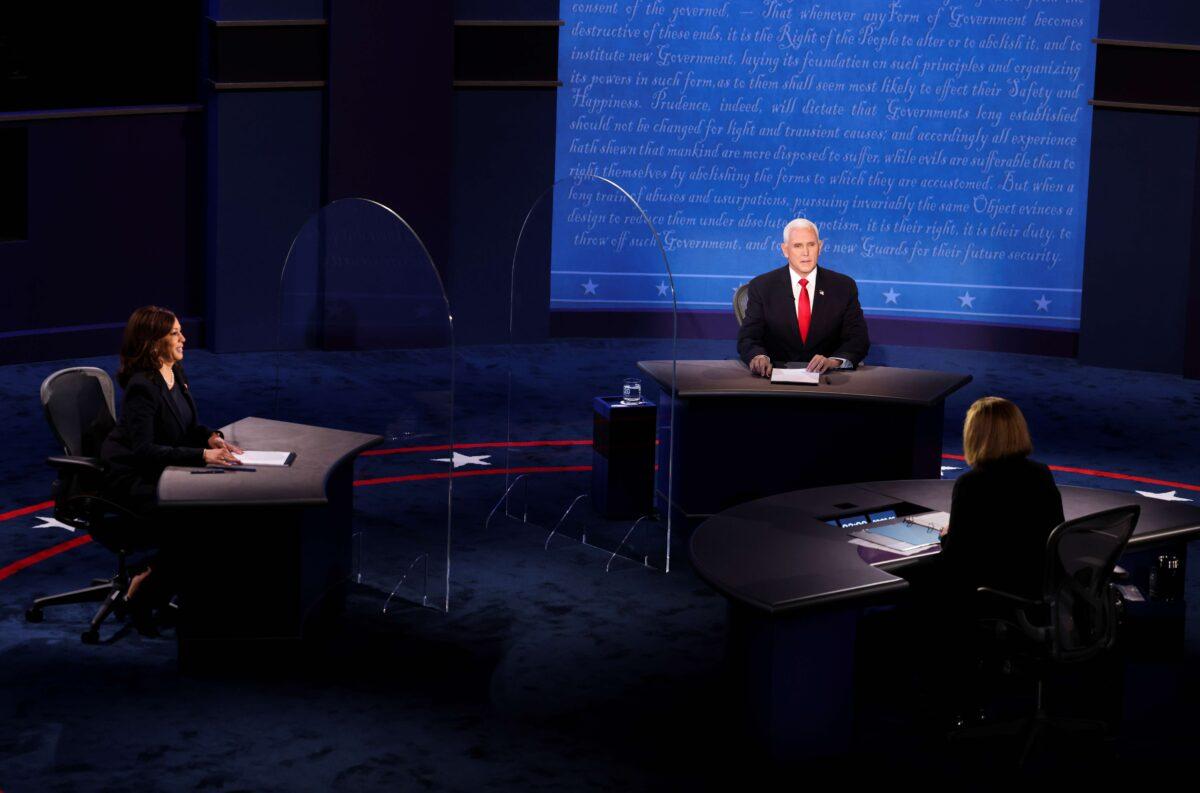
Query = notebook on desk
x=903 y=536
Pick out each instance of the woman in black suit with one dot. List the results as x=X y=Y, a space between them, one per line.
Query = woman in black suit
x=1002 y=510
x=158 y=424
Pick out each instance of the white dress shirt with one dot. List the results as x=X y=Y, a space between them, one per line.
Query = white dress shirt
x=811 y=286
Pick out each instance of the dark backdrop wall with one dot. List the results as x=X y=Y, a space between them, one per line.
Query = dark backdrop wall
x=184 y=184
x=97 y=151
x=504 y=119
x=1141 y=287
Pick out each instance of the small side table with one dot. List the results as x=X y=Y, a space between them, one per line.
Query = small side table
x=623 y=441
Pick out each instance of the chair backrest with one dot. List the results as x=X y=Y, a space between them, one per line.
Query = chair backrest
x=79 y=406
x=741 y=298
x=1080 y=557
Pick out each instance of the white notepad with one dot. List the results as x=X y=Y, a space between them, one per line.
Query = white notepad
x=798 y=376
x=259 y=458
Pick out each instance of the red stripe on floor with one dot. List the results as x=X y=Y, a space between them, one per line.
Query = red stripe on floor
x=16 y=513
x=532 y=469
x=1067 y=469
x=482 y=445
x=63 y=547
x=42 y=556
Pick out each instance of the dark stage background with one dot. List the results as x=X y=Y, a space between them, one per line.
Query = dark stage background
x=175 y=168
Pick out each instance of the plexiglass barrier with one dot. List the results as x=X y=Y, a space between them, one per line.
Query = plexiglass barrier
x=366 y=343
x=587 y=454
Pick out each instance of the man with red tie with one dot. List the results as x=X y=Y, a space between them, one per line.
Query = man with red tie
x=802 y=313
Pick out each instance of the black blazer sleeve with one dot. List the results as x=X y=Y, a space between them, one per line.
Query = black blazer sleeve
x=750 y=335
x=854 y=339
x=138 y=411
x=962 y=514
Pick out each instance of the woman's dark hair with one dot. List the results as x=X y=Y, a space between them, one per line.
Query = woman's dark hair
x=144 y=345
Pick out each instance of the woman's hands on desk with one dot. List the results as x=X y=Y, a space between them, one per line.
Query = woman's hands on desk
x=215 y=441
x=221 y=452
x=220 y=457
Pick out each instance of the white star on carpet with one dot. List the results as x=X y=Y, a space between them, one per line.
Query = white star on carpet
x=966 y=300
x=464 y=459
x=590 y=287
x=662 y=288
x=890 y=295
x=1043 y=304
x=51 y=523
x=1167 y=496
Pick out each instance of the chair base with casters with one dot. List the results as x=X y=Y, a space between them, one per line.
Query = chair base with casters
x=108 y=592
x=109 y=524
x=1035 y=729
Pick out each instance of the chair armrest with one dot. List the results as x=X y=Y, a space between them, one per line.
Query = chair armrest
x=1009 y=596
x=91 y=504
x=76 y=465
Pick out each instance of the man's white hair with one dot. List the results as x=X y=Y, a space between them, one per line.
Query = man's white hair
x=800 y=223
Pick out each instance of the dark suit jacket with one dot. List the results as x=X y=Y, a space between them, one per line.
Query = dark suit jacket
x=149 y=436
x=837 y=328
x=1001 y=514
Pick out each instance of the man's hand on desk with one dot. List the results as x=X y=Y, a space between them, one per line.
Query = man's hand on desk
x=820 y=363
x=761 y=365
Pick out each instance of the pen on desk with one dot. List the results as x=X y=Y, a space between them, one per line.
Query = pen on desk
x=230 y=469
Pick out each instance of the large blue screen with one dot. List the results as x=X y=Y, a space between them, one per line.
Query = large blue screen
x=940 y=145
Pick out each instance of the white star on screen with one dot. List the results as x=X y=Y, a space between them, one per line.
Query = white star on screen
x=1167 y=496
x=51 y=523
x=662 y=288
x=1043 y=304
x=890 y=295
x=464 y=459
x=966 y=300
x=946 y=468
x=590 y=287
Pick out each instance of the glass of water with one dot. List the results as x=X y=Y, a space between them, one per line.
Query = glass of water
x=631 y=391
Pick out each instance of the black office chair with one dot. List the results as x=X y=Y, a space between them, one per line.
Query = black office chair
x=741 y=299
x=79 y=407
x=1075 y=620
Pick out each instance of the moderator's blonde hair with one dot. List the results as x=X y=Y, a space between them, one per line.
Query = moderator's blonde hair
x=994 y=428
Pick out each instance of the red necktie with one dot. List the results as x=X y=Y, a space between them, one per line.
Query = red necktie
x=803 y=310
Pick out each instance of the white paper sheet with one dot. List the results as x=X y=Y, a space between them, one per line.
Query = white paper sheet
x=260 y=458
x=800 y=376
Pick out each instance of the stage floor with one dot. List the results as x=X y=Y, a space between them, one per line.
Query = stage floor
x=547 y=671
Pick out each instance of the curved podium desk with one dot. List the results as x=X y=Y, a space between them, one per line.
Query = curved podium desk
x=264 y=555
x=796 y=588
x=739 y=437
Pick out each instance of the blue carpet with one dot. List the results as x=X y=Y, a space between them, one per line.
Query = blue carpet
x=548 y=672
